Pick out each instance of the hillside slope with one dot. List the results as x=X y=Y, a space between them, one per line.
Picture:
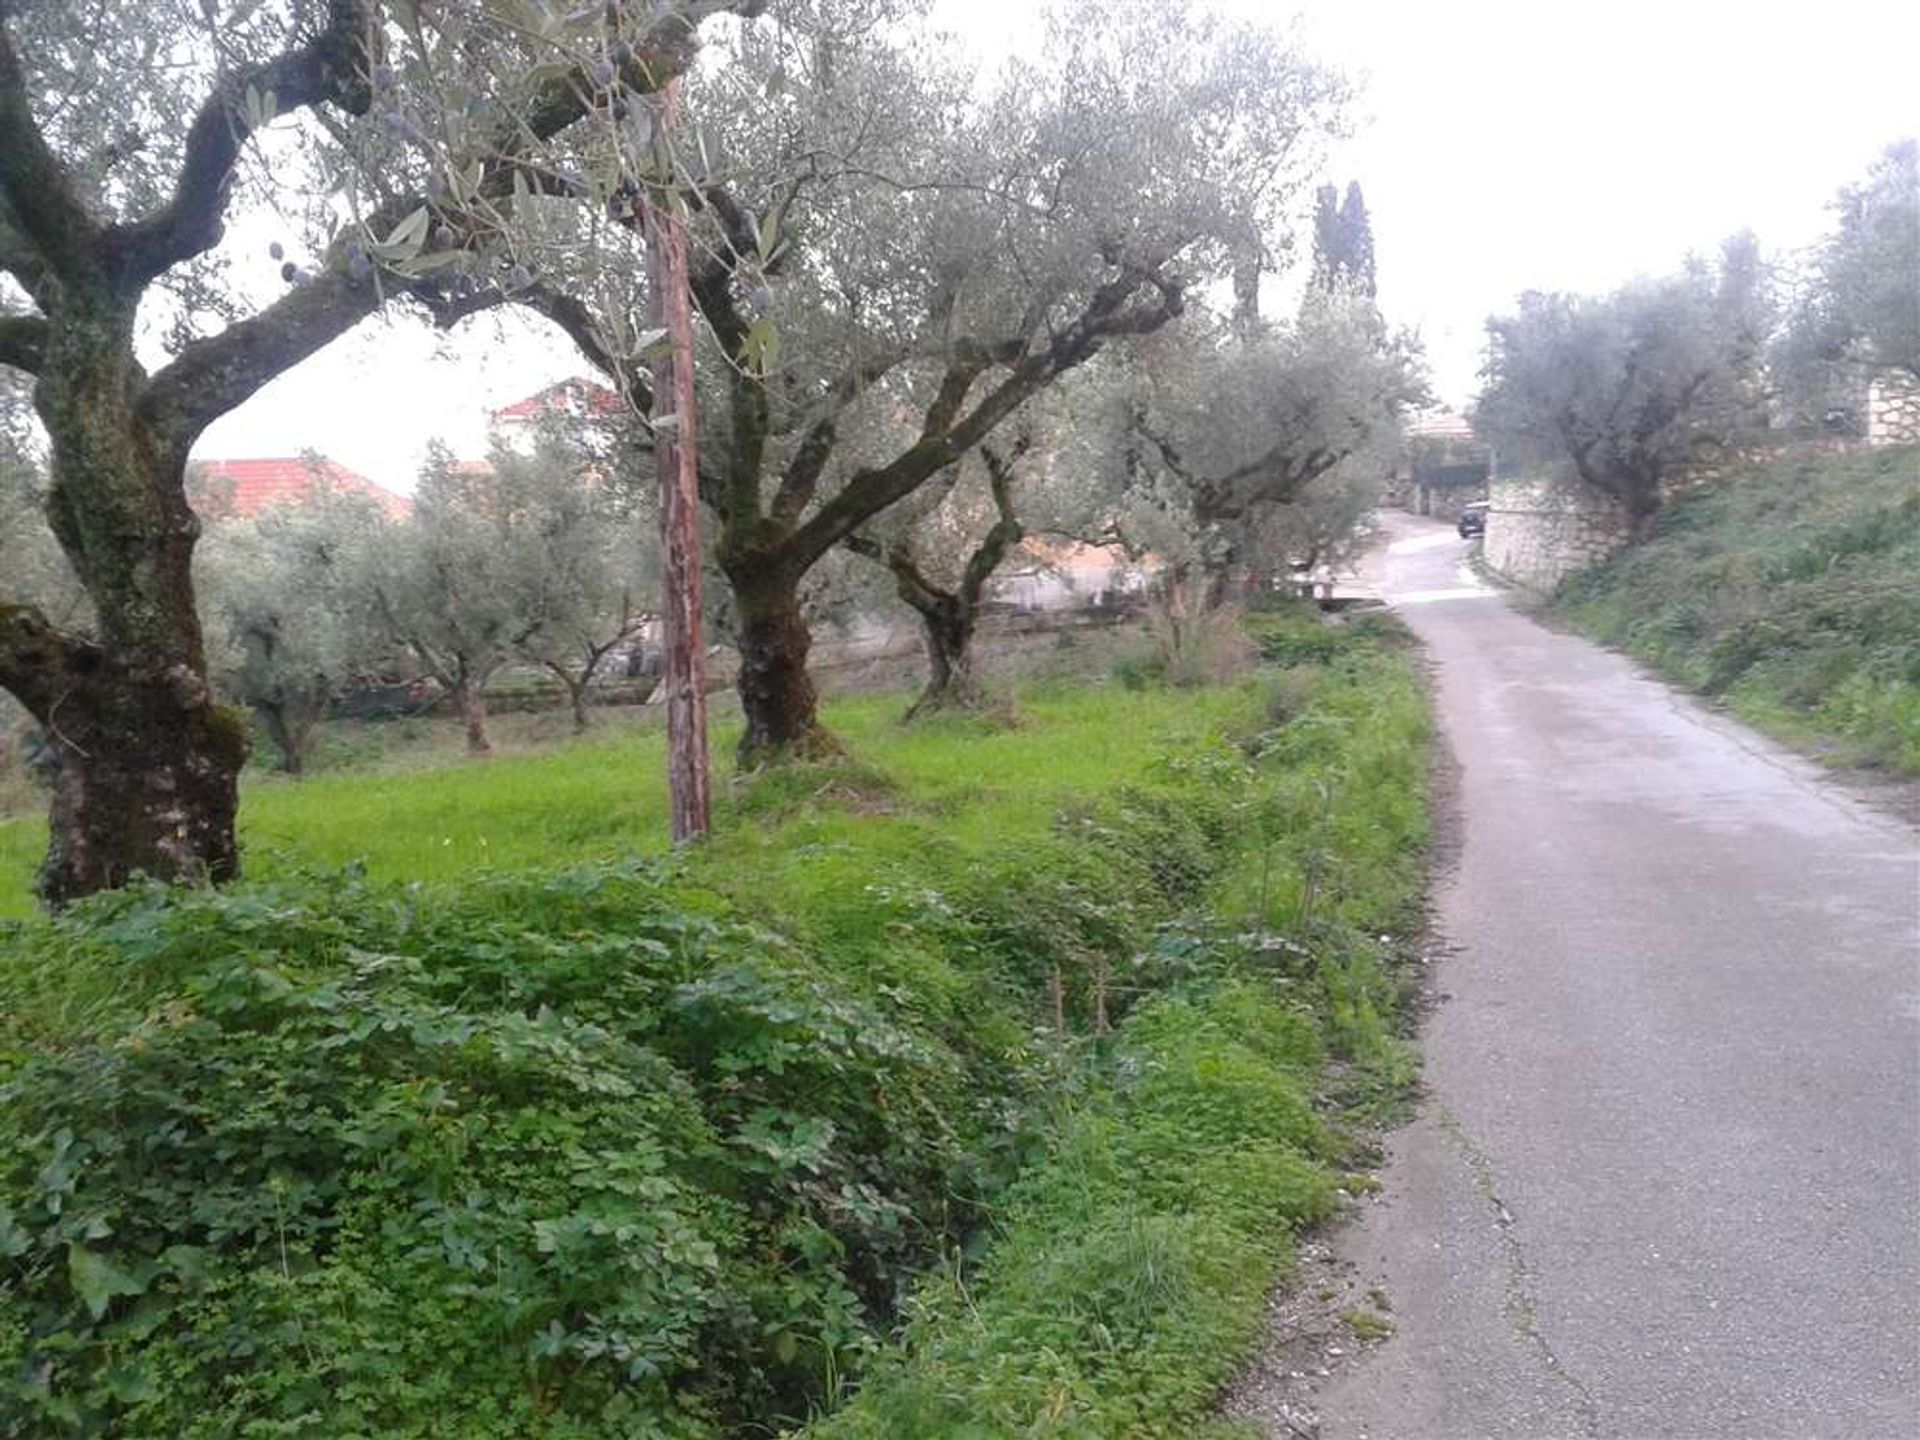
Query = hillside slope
x=1789 y=590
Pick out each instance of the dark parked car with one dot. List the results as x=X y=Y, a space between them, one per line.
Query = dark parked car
x=1473 y=519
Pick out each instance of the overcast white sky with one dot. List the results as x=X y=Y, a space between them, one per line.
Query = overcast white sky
x=1502 y=146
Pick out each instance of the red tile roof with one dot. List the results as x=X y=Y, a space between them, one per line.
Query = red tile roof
x=575 y=396
x=230 y=489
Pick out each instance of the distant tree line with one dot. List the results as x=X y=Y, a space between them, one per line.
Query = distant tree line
x=1629 y=387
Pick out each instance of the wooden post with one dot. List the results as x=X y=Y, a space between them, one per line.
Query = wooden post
x=676 y=448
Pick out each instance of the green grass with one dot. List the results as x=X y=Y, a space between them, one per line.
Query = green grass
x=970 y=1087
x=22 y=843
x=1129 y=1276
x=1787 y=591
x=603 y=798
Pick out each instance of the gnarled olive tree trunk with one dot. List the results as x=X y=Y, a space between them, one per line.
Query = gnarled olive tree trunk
x=149 y=763
x=949 y=617
x=470 y=700
x=777 y=697
x=147 y=780
x=290 y=722
x=947 y=629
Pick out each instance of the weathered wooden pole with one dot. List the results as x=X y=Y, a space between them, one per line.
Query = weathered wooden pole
x=676 y=448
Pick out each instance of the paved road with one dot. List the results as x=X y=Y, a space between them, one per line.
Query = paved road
x=1668 y=1179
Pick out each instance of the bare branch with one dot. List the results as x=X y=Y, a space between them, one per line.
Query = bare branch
x=332 y=68
x=23 y=340
x=212 y=376
x=39 y=195
x=1006 y=531
x=803 y=473
x=572 y=315
x=954 y=385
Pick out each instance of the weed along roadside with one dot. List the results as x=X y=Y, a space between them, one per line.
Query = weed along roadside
x=979 y=1086
x=1784 y=590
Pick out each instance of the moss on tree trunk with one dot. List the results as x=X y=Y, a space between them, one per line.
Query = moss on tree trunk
x=149 y=763
x=776 y=692
x=148 y=781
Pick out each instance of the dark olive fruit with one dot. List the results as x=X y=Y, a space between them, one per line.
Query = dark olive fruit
x=277 y=250
x=289 y=272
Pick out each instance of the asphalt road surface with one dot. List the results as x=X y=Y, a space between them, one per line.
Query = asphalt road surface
x=1667 y=1179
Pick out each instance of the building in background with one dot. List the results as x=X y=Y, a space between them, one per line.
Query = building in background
x=1442 y=467
x=577 y=399
x=241 y=489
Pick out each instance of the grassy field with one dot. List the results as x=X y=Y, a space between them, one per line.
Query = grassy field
x=973 y=1085
x=1790 y=591
x=604 y=797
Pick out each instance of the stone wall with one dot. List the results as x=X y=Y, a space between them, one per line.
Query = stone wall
x=1893 y=409
x=1541 y=530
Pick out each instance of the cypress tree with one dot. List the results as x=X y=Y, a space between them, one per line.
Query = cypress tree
x=1356 y=241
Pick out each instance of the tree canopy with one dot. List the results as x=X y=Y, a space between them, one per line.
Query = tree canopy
x=1627 y=387
x=890 y=262
x=288 y=614
x=1207 y=437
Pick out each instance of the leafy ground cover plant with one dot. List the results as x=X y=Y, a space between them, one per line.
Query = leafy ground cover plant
x=1033 y=1016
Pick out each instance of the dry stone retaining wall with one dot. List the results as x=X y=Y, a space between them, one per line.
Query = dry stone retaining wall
x=1893 y=409
x=1540 y=531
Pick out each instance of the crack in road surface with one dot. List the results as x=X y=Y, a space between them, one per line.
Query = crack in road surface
x=1521 y=1309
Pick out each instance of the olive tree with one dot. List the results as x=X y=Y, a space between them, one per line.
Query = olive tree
x=1857 y=309
x=941 y=548
x=289 y=624
x=877 y=239
x=542 y=557
x=1328 y=523
x=1208 y=436
x=1868 y=288
x=1629 y=387
x=581 y=559
x=442 y=583
x=100 y=220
